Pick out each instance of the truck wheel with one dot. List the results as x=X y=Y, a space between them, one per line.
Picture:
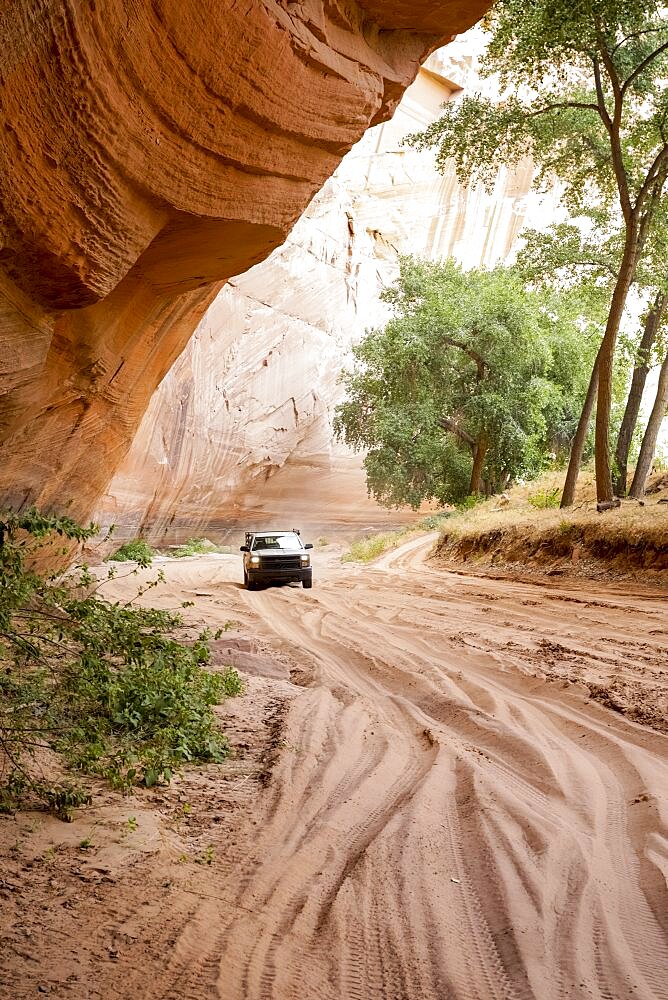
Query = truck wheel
x=245 y=579
x=251 y=584
x=307 y=582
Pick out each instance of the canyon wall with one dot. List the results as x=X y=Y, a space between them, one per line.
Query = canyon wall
x=240 y=430
x=150 y=151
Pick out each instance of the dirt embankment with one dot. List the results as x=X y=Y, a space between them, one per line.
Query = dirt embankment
x=629 y=542
x=428 y=802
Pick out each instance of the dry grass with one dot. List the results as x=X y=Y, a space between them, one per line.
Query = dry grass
x=627 y=541
x=371 y=546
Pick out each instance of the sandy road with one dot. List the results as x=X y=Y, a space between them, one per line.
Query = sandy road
x=448 y=820
x=451 y=816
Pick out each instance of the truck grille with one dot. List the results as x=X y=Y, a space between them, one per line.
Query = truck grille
x=280 y=562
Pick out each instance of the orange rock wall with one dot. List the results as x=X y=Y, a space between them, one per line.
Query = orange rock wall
x=149 y=151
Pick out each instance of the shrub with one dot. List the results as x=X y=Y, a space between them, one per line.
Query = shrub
x=372 y=546
x=231 y=682
x=137 y=550
x=469 y=502
x=545 y=498
x=193 y=547
x=105 y=685
x=432 y=522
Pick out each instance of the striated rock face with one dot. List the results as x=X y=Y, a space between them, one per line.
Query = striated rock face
x=151 y=150
x=240 y=430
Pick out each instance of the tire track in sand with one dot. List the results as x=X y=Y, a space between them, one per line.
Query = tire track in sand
x=427 y=845
x=444 y=822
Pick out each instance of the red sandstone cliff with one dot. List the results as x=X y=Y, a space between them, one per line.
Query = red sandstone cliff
x=149 y=152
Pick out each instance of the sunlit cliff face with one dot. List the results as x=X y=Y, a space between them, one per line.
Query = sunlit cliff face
x=150 y=151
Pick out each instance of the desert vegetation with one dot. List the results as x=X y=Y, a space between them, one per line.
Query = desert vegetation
x=89 y=686
x=583 y=93
x=136 y=550
x=486 y=377
x=370 y=546
x=478 y=379
x=140 y=551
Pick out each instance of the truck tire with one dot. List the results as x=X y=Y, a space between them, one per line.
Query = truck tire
x=307 y=582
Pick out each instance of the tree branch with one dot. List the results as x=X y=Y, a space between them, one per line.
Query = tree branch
x=450 y=424
x=642 y=66
x=612 y=125
x=636 y=34
x=610 y=67
x=478 y=358
x=658 y=167
x=596 y=265
x=602 y=107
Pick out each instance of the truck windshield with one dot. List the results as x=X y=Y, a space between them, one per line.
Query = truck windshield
x=288 y=541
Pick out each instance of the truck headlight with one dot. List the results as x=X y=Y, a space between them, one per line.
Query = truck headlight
x=255 y=560
x=304 y=560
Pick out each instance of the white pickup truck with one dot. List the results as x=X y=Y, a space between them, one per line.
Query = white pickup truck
x=275 y=556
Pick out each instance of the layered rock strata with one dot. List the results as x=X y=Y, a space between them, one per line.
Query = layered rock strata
x=240 y=430
x=149 y=152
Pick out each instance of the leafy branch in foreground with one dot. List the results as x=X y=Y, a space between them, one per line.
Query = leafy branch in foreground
x=104 y=685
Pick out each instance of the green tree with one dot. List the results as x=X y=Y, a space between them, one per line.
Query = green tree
x=644 y=356
x=468 y=386
x=585 y=266
x=651 y=435
x=586 y=98
x=565 y=257
x=648 y=351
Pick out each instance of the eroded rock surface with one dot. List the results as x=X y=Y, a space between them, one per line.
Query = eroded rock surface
x=240 y=430
x=149 y=152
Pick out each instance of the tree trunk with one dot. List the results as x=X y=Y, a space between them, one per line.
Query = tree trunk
x=577 y=448
x=628 y=425
x=605 y=359
x=648 y=446
x=479 y=454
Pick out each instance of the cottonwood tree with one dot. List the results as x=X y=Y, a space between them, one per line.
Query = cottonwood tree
x=585 y=94
x=652 y=283
x=467 y=386
x=650 y=437
x=654 y=319
x=585 y=264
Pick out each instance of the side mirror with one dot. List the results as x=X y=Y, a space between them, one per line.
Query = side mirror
x=309 y=545
x=244 y=548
